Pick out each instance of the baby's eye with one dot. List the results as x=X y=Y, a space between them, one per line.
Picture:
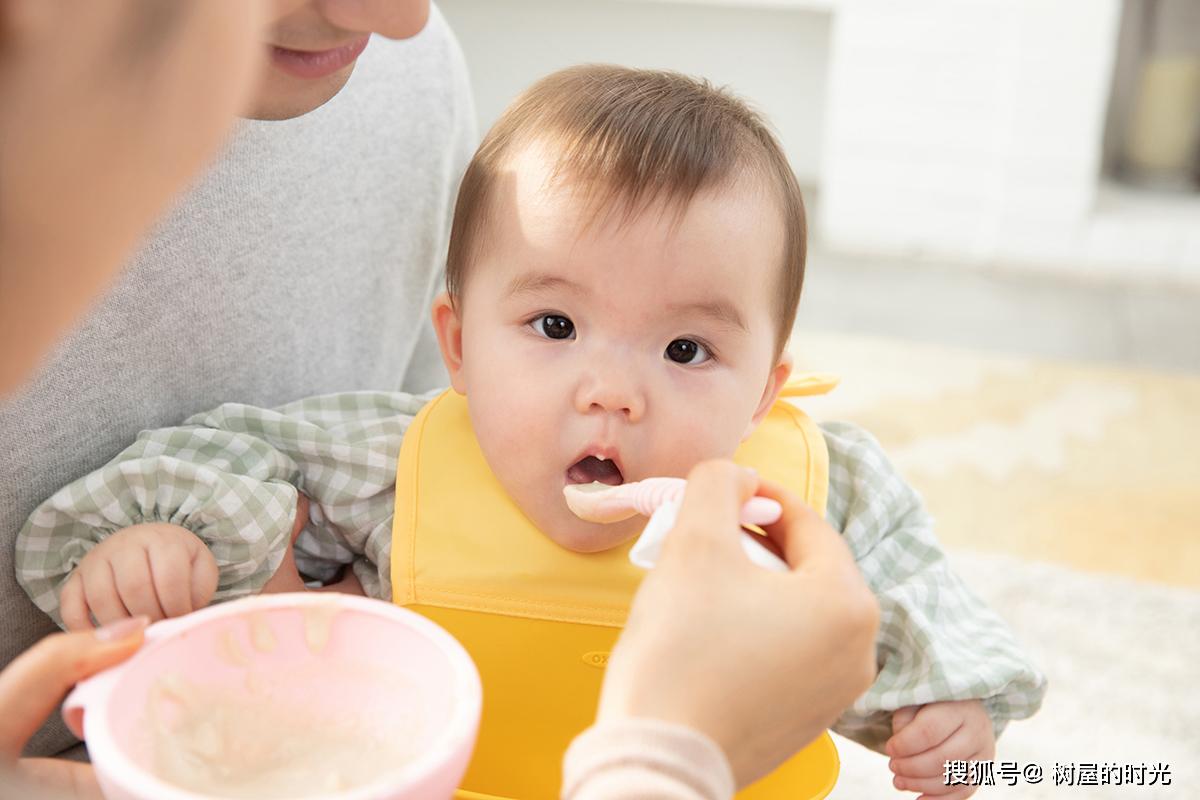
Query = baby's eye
x=553 y=326
x=685 y=351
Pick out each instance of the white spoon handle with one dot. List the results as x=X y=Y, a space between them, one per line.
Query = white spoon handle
x=647 y=548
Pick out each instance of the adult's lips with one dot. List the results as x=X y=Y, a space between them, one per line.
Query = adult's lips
x=317 y=63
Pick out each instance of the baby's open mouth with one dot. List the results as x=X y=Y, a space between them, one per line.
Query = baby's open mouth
x=590 y=468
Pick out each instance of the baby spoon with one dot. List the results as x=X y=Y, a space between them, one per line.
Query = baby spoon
x=600 y=502
x=659 y=499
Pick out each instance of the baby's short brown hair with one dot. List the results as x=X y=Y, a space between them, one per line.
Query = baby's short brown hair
x=636 y=136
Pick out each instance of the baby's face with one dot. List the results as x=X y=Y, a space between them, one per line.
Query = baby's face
x=616 y=351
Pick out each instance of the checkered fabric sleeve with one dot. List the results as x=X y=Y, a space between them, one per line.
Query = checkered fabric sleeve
x=231 y=476
x=937 y=640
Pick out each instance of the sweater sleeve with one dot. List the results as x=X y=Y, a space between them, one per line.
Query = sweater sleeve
x=645 y=759
x=937 y=640
x=231 y=476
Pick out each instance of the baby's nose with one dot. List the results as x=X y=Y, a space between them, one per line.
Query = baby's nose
x=611 y=394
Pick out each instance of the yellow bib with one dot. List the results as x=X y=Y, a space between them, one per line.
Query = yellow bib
x=538 y=620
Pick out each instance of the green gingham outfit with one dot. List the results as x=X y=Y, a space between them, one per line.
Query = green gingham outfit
x=231 y=476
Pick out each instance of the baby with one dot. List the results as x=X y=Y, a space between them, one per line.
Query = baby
x=624 y=270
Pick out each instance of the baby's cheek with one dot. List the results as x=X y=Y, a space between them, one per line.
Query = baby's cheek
x=502 y=423
x=688 y=450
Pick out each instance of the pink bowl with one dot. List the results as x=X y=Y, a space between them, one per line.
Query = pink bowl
x=430 y=682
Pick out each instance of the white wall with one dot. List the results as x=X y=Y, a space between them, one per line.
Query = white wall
x=954 y=122
x=971 y=131
x=962 y=131
x=775 y=57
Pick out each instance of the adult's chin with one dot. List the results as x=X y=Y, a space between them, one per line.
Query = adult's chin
x=283 y=96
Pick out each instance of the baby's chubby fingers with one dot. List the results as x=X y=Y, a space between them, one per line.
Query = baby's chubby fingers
x=134 y=580
x=171 y=573
x=100 y=590
x=902 y=717
x=183 y=570
x=72 y=606
x=958 y=793
x=932 y=725
x=205 y=576
x=931 y=787
x=958 y=747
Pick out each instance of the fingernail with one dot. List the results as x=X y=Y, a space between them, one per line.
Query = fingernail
x=751 y=473
x=122 y=629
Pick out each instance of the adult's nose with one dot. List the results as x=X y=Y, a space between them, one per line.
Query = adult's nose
x=395 y=19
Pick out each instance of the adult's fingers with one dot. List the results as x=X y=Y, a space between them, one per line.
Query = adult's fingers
x=33 y=685
x=804 y=537
x=715 y=493
x=55 y=779
x=72 y=605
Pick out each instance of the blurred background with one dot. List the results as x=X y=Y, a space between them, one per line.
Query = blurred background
x=1004 y=201
x=1028 y=170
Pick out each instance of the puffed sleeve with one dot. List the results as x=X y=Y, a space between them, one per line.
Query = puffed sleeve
x=937 y=640
x=232 y=476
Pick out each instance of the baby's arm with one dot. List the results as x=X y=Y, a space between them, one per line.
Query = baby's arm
x=938 y=642
x=229 y=477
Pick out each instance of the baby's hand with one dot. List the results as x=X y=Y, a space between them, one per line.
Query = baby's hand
x=155 y=569
x=925 y=737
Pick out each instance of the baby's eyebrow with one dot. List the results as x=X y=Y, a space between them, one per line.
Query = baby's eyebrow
x=721 y=311
x=535 y=282
x=718 y=310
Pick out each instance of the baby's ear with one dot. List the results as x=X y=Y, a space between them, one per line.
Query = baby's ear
x=775 y=381
x=447 y=324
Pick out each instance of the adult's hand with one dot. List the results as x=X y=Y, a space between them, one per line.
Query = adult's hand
x=761 y=662
x=33 y=685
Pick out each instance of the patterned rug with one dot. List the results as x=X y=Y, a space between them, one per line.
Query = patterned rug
x=1069 y=497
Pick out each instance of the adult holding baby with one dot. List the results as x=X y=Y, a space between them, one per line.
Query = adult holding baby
x=154 y=107
x=302 y=260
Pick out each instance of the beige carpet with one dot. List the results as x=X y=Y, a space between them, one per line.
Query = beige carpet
x=1069 y=498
